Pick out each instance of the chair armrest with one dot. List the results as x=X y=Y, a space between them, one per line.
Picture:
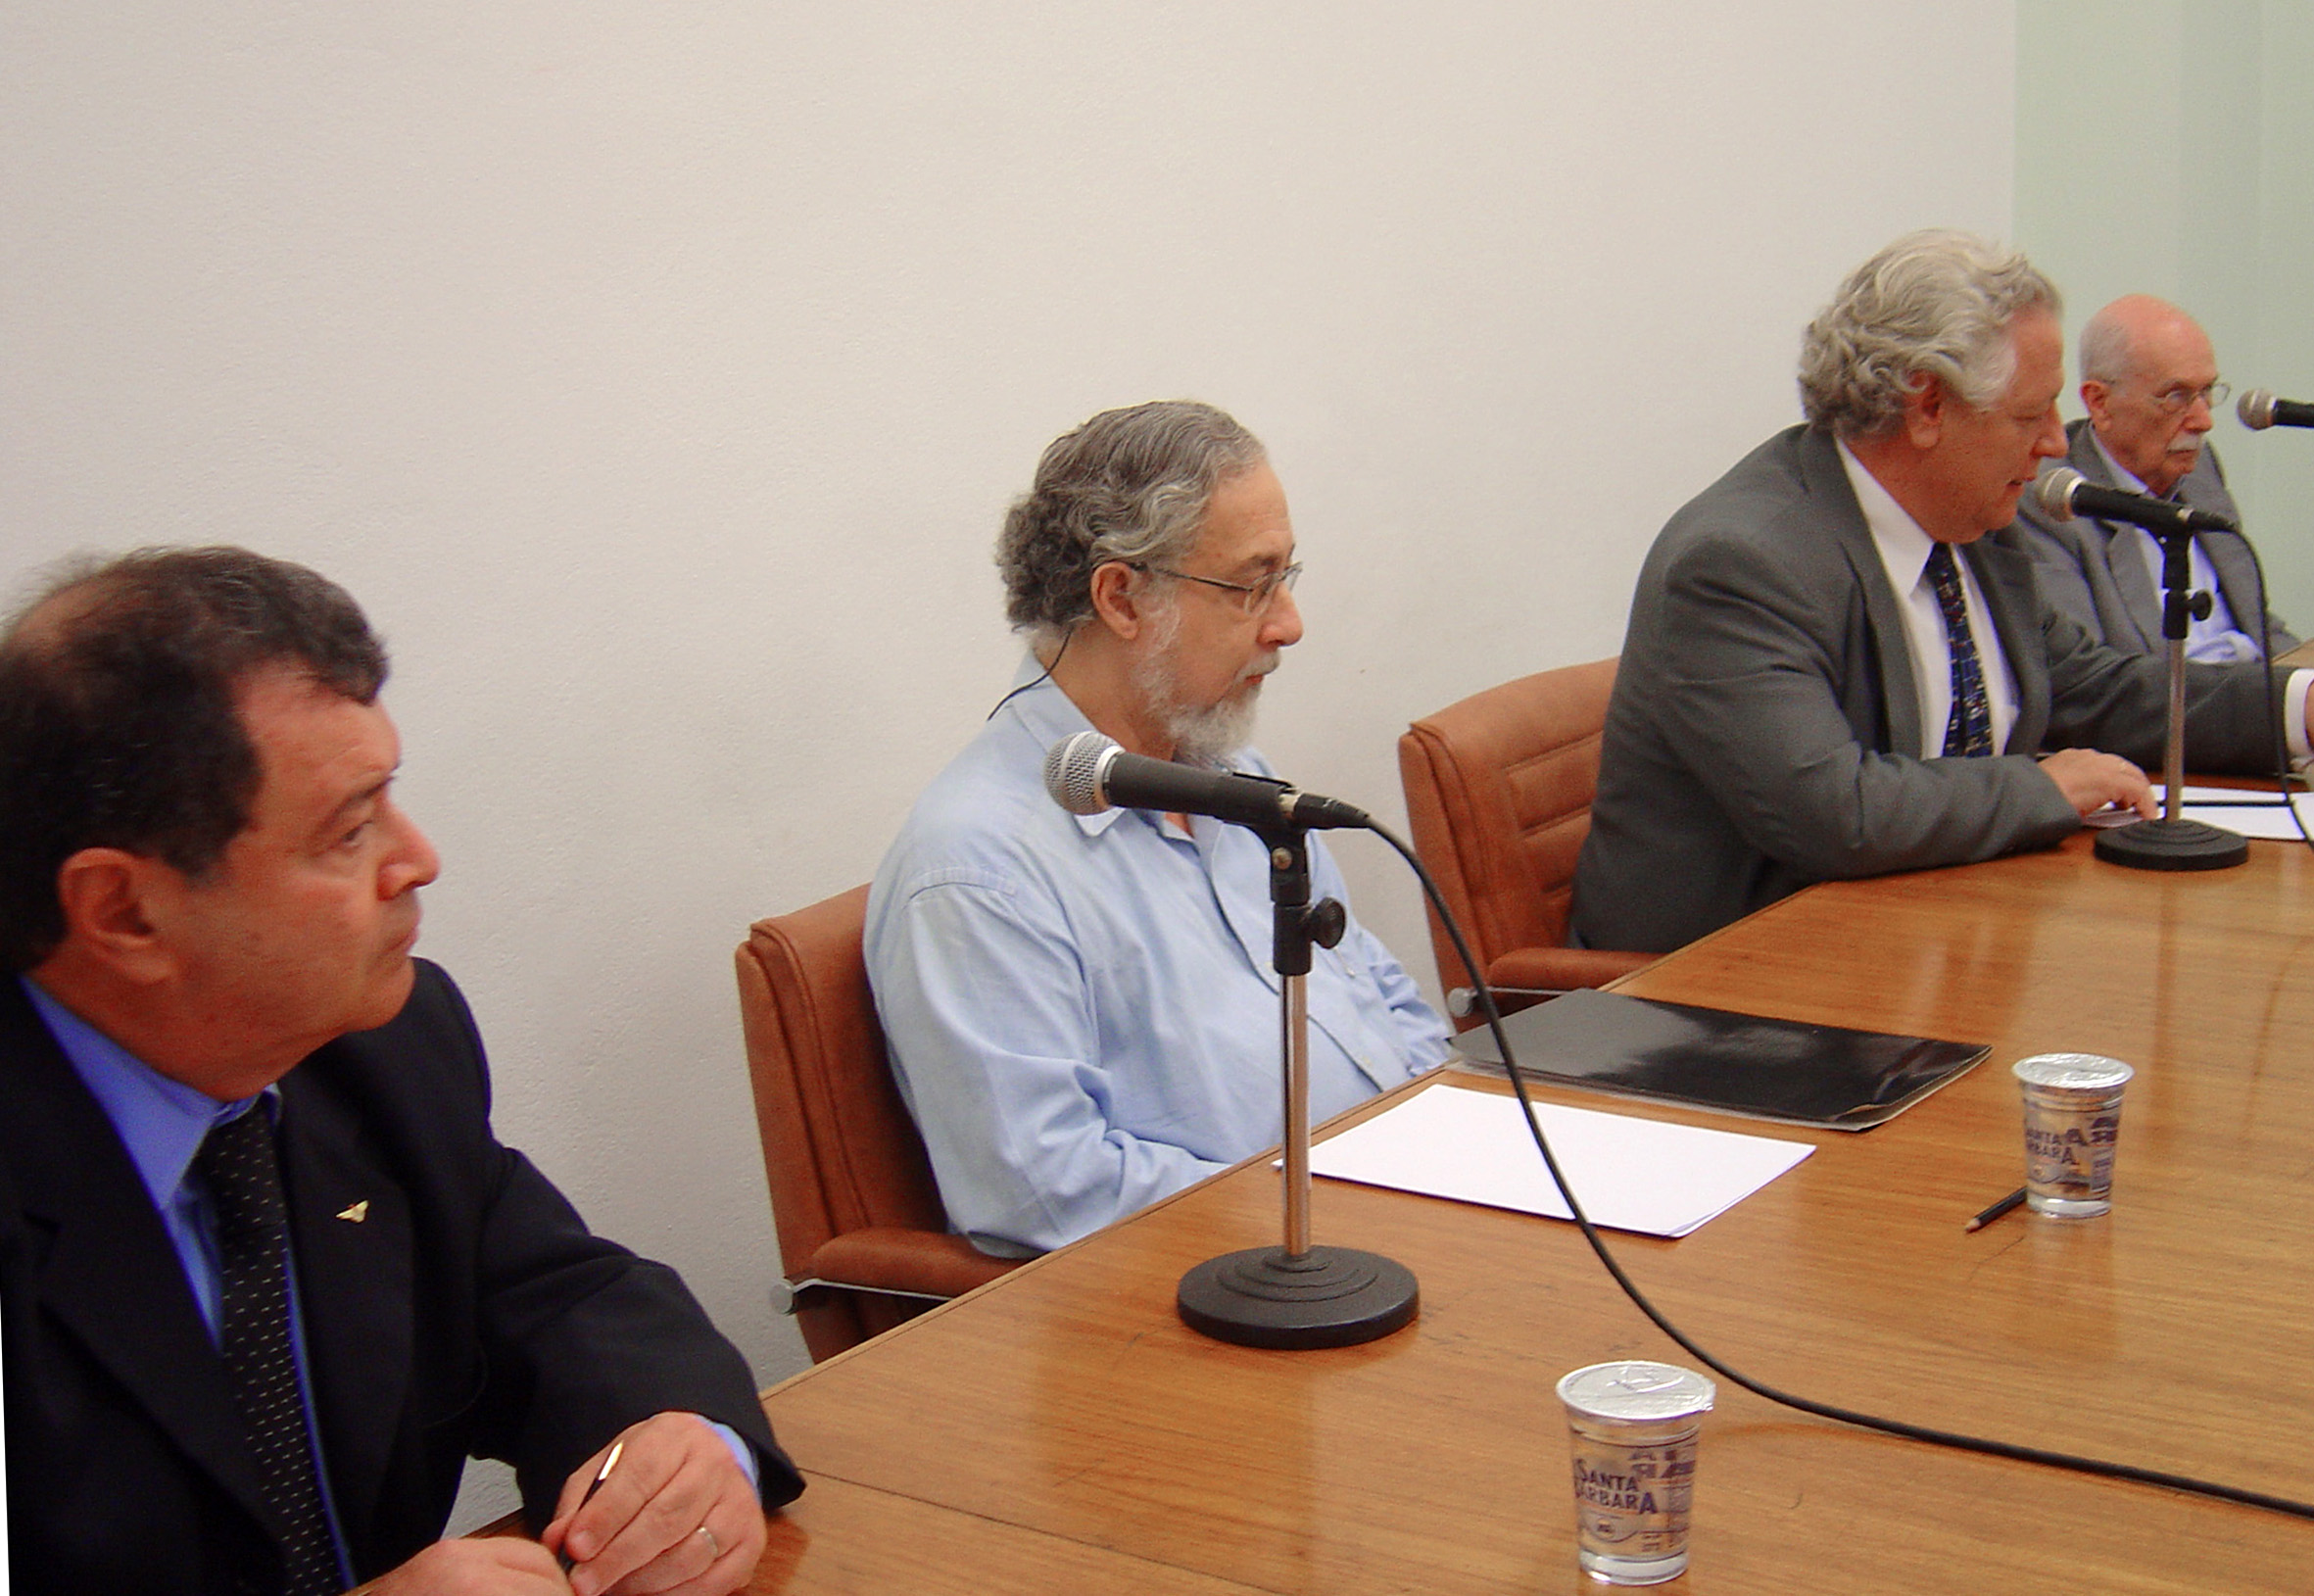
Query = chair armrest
x=887 y=1258
x=1563 y=969
x=1528 y=976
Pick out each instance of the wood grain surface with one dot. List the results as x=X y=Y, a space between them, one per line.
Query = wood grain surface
x=1060 y=1429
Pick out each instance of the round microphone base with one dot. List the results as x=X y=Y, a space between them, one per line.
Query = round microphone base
x=1327 y=1296
x=2172 y=845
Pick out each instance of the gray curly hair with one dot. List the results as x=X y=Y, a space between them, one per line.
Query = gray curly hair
x=1129 y=485
x=1937 y=304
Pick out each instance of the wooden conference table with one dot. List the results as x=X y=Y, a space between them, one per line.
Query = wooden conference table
x=1060 y=1429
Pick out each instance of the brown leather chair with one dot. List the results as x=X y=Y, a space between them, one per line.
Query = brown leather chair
x=864 y=1238
x=1498 y=796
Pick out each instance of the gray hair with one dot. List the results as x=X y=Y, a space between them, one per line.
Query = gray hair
x=1933 y=304
x=1130 y=485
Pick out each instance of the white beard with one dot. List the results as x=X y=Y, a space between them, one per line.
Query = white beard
x=1202 y=734
x=1212 y=734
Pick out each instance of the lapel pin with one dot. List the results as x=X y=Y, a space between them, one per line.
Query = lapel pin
x=357 y=1213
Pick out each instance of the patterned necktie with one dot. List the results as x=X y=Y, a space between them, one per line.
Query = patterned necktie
x=1968 y=731
x=244 y=1178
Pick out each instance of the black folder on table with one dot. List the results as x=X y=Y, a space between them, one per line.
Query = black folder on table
x=1744 y=1063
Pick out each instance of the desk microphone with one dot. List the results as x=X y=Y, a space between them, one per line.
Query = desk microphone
x=2260 y=410
x=2065 y=492
x=1088 y=772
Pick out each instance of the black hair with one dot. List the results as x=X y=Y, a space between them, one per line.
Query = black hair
x=119 y=722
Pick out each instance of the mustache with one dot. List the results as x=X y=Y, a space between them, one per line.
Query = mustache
x=1261 y=667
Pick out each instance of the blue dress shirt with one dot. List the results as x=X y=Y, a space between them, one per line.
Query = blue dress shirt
x=1082 y=1012
x=161 y=1123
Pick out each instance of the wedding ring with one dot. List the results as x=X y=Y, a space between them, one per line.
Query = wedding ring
x=714 y=1546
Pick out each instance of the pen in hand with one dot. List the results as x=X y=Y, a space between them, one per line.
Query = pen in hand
x=1989 y=1215
x=593 y=1485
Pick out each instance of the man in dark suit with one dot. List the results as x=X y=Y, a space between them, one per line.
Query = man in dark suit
x=1816 y=685
x=2150 y=382
x=267 y=1279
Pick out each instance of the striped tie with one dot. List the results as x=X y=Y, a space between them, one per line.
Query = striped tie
x=1968 y=732
x=244 y=1178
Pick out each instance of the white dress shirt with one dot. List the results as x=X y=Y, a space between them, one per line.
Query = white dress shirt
x=1904 y=554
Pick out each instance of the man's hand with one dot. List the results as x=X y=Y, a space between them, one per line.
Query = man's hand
x=502 y=1566
x=2090 y=779
x=676 y=1518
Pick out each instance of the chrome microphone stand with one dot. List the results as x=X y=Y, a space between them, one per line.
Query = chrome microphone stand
x=2173 y=842
x=1297 y=1295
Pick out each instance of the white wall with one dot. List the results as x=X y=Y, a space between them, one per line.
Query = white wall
x=657 y=375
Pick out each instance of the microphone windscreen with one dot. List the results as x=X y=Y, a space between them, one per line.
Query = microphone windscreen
x=2256 y=409
x=1073 y=772
x=2054 y=492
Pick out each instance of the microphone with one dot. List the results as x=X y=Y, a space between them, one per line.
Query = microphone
x=2260 y=410
x=2065 y=492
x=1088 y=772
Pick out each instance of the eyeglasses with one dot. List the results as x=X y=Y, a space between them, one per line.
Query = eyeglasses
x=1257 y=596
x=2177 y=398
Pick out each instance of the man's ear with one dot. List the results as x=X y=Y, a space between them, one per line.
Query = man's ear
x=108 y=898
x=1924 y=412
x=1119 y=599
x=2096 y=398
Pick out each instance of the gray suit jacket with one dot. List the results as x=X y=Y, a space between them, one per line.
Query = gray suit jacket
x=1761 y=728
x=2094 y=573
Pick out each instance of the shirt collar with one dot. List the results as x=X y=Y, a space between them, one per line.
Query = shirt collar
x=1049 y=716
x=1903 y=547
x=161 y=1121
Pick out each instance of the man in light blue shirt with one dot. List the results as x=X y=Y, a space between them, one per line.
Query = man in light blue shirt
x=1081 y=1011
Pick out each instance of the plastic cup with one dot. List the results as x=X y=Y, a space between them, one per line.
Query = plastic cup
x=1634 y=1427
x=2072 y=1118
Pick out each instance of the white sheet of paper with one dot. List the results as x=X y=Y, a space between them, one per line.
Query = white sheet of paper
x=2267 y=822
x=2263 y=820
x=1628 y=1174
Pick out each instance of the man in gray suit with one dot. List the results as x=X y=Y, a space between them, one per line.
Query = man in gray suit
x=2149 y=382
x=1831 y=670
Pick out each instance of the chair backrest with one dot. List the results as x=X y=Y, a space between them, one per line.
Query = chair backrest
x=1498 y=796
x=839 y=1148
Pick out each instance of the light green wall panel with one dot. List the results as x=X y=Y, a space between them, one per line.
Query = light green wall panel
x=2167 y=147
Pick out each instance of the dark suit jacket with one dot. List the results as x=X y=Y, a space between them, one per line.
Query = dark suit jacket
x=1763 y=728
x=2093 y=570
x=468 y=1312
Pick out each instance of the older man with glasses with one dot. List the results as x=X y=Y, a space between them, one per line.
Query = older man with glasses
x=1082 y=1012
x=2150 y=382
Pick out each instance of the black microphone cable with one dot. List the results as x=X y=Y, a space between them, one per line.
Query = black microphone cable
x=1041 y=678
x=2283 y=774
x=1760 y=1389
